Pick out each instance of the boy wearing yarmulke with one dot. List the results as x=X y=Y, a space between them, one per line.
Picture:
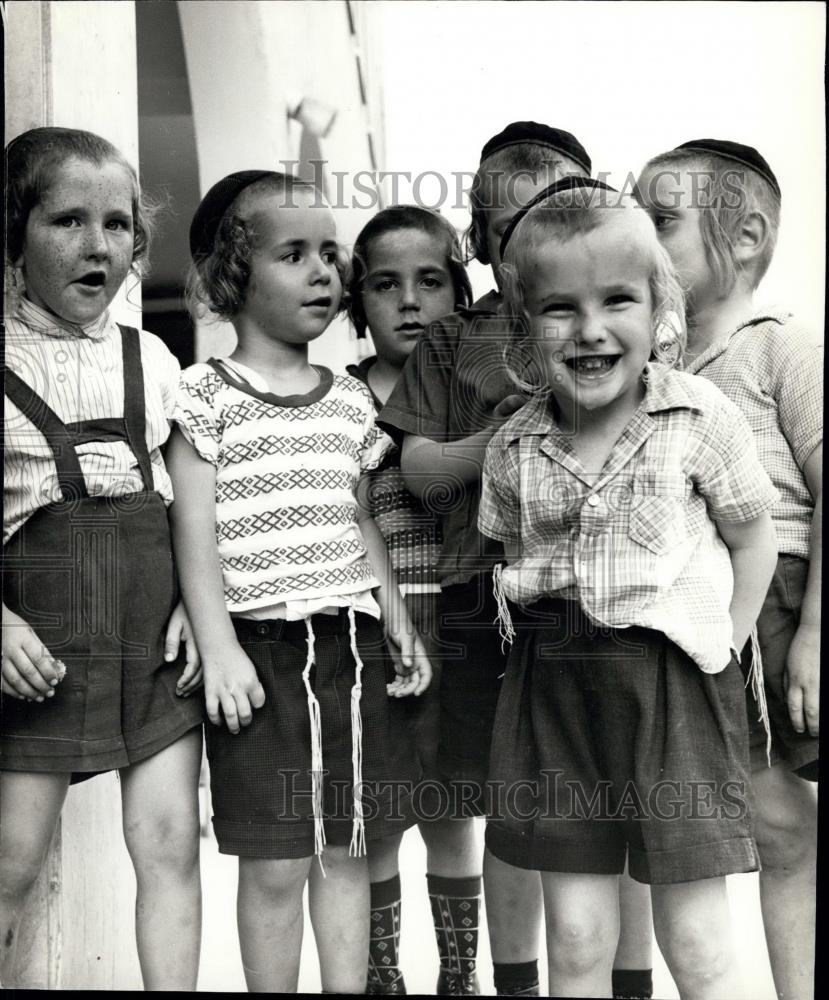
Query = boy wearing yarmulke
x=716 y=207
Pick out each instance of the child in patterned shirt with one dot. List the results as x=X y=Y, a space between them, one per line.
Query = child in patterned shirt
x=716 y=207
x=635 y=516
x=279 y=567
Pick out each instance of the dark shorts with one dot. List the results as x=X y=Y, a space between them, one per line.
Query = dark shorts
x=473 y=664
x=776 y=626
x=423 y=713
x=260 y=779
x=98 y=595
x=612 y=742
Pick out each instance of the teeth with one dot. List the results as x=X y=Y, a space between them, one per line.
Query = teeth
x=594 y=364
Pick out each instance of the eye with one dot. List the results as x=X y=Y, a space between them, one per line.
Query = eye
x=557 y=308
x=68 y=221
x=122 y=225
x=431 y=282
x=385 y=285
x=620 y=299
x=294 y=257
x=329 y=256
x=661 y=221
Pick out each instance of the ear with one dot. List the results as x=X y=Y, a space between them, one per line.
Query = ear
x=752 y=237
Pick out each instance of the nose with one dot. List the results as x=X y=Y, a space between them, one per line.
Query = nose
x=95 y=244
x=409 y=297
x=320 y=272
x=592 y=329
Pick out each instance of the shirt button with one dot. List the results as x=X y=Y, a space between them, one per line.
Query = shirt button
x=262 y=629
x=593 y=500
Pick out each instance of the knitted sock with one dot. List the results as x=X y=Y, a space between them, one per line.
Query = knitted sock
x=455 y=903
x=632 y=984
x=516 y=979
x=384 y=942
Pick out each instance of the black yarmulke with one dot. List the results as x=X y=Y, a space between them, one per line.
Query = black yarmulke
x=569 y=183
x=540 y=135
x=748 y=156
x=214 y=205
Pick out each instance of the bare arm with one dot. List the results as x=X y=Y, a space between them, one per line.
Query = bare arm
x=230 y=679
x=803 y=662
x=753 y=548
x=408 y=651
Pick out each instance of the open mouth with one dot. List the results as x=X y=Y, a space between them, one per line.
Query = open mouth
x=321 y=303
x=411 y=328
x=95 y=279
x=593 y=365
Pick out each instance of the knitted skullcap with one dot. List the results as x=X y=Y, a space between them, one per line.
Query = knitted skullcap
x=569 y=183
x=213 y=206
x=540 y=135
x=746 y=155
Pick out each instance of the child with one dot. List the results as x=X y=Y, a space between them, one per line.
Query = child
x=452 y=396
x=274 y=569
x=622 y=698
x=88 y=579
x=407 y=271
x=716 y=206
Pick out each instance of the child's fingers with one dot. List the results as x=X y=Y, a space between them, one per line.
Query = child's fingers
x=172 y=640
x=187 y=685
x=25 y=662
x=230 y=712
x=19 y=683
x=212 y=705
x=6 y=688
x=244 y=710
x=257 y=695
x=794 y=700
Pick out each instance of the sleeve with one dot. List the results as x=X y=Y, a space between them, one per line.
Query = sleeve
x=376 y=443
x=799 y=394
x=165 y=369
x=499 y=513
x=197 y=411
x=728 y=472
x=419 y=403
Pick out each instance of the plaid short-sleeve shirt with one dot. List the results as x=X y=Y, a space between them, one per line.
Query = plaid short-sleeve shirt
x=773 y=371
x=637 y=545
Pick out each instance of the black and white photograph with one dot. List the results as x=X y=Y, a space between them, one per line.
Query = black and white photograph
x=412 y=497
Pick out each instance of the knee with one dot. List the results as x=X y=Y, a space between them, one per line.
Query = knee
x=18 y=873
x=786 y=839
x=167 y=844
x=694 y=953
x=576 y=946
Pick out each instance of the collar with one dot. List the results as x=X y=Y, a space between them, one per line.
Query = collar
x=714 y=350
x=665 y=389
x=43 y=321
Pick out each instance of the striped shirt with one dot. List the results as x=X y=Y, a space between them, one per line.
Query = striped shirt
x=773 y=371
x=78 y=371
x=286 y=473
x=637 y=545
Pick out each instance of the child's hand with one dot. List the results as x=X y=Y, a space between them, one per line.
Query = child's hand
x=29 y=671
x=801 y=680
x=509 y=405
x=231 y=683
x=411 y=664
x=180 y=631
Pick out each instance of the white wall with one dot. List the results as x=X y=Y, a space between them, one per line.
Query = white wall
x=630 y=80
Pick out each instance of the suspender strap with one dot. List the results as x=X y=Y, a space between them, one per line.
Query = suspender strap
x=134 y=414
x=70 y=478
x=102 y=429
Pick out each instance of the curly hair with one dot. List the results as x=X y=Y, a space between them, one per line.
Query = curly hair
x=558 y=219
x=735 y=192
x=217 y=282
x=32 y=160
x=524 y=157
x=392 y=220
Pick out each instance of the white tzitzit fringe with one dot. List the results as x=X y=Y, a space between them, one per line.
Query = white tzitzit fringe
x=758 y=687
x=504 y=619
x=316 y=747
x=357 y=847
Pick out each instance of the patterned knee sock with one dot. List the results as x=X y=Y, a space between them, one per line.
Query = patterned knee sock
x=455 y=904
x=516 y=979
x=384 y=975
x=632 y=984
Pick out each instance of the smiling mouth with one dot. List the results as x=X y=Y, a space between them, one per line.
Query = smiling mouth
x=95 y=279
x=593 y=366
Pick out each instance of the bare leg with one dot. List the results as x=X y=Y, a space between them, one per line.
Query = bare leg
x=635 y=948
x=513 y=910
x=582 y=914
x=269 y=914
x=339 y=906
x=693 y=929
x=30 y=805
x=451 y=848
x=382 y=858
x=161 y=829
x=786 y=833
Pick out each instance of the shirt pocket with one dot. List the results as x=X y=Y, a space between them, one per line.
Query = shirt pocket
x=657 y=512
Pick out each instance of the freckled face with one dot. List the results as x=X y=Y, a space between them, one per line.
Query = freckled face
x=589 y=304
x=294 y=287
x=407 y=286
x=78 y=244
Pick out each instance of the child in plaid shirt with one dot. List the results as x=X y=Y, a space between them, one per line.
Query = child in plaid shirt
x=716 y=207
x=635 y=515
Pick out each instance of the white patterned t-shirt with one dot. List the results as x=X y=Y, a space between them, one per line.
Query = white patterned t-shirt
x=287 y=469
